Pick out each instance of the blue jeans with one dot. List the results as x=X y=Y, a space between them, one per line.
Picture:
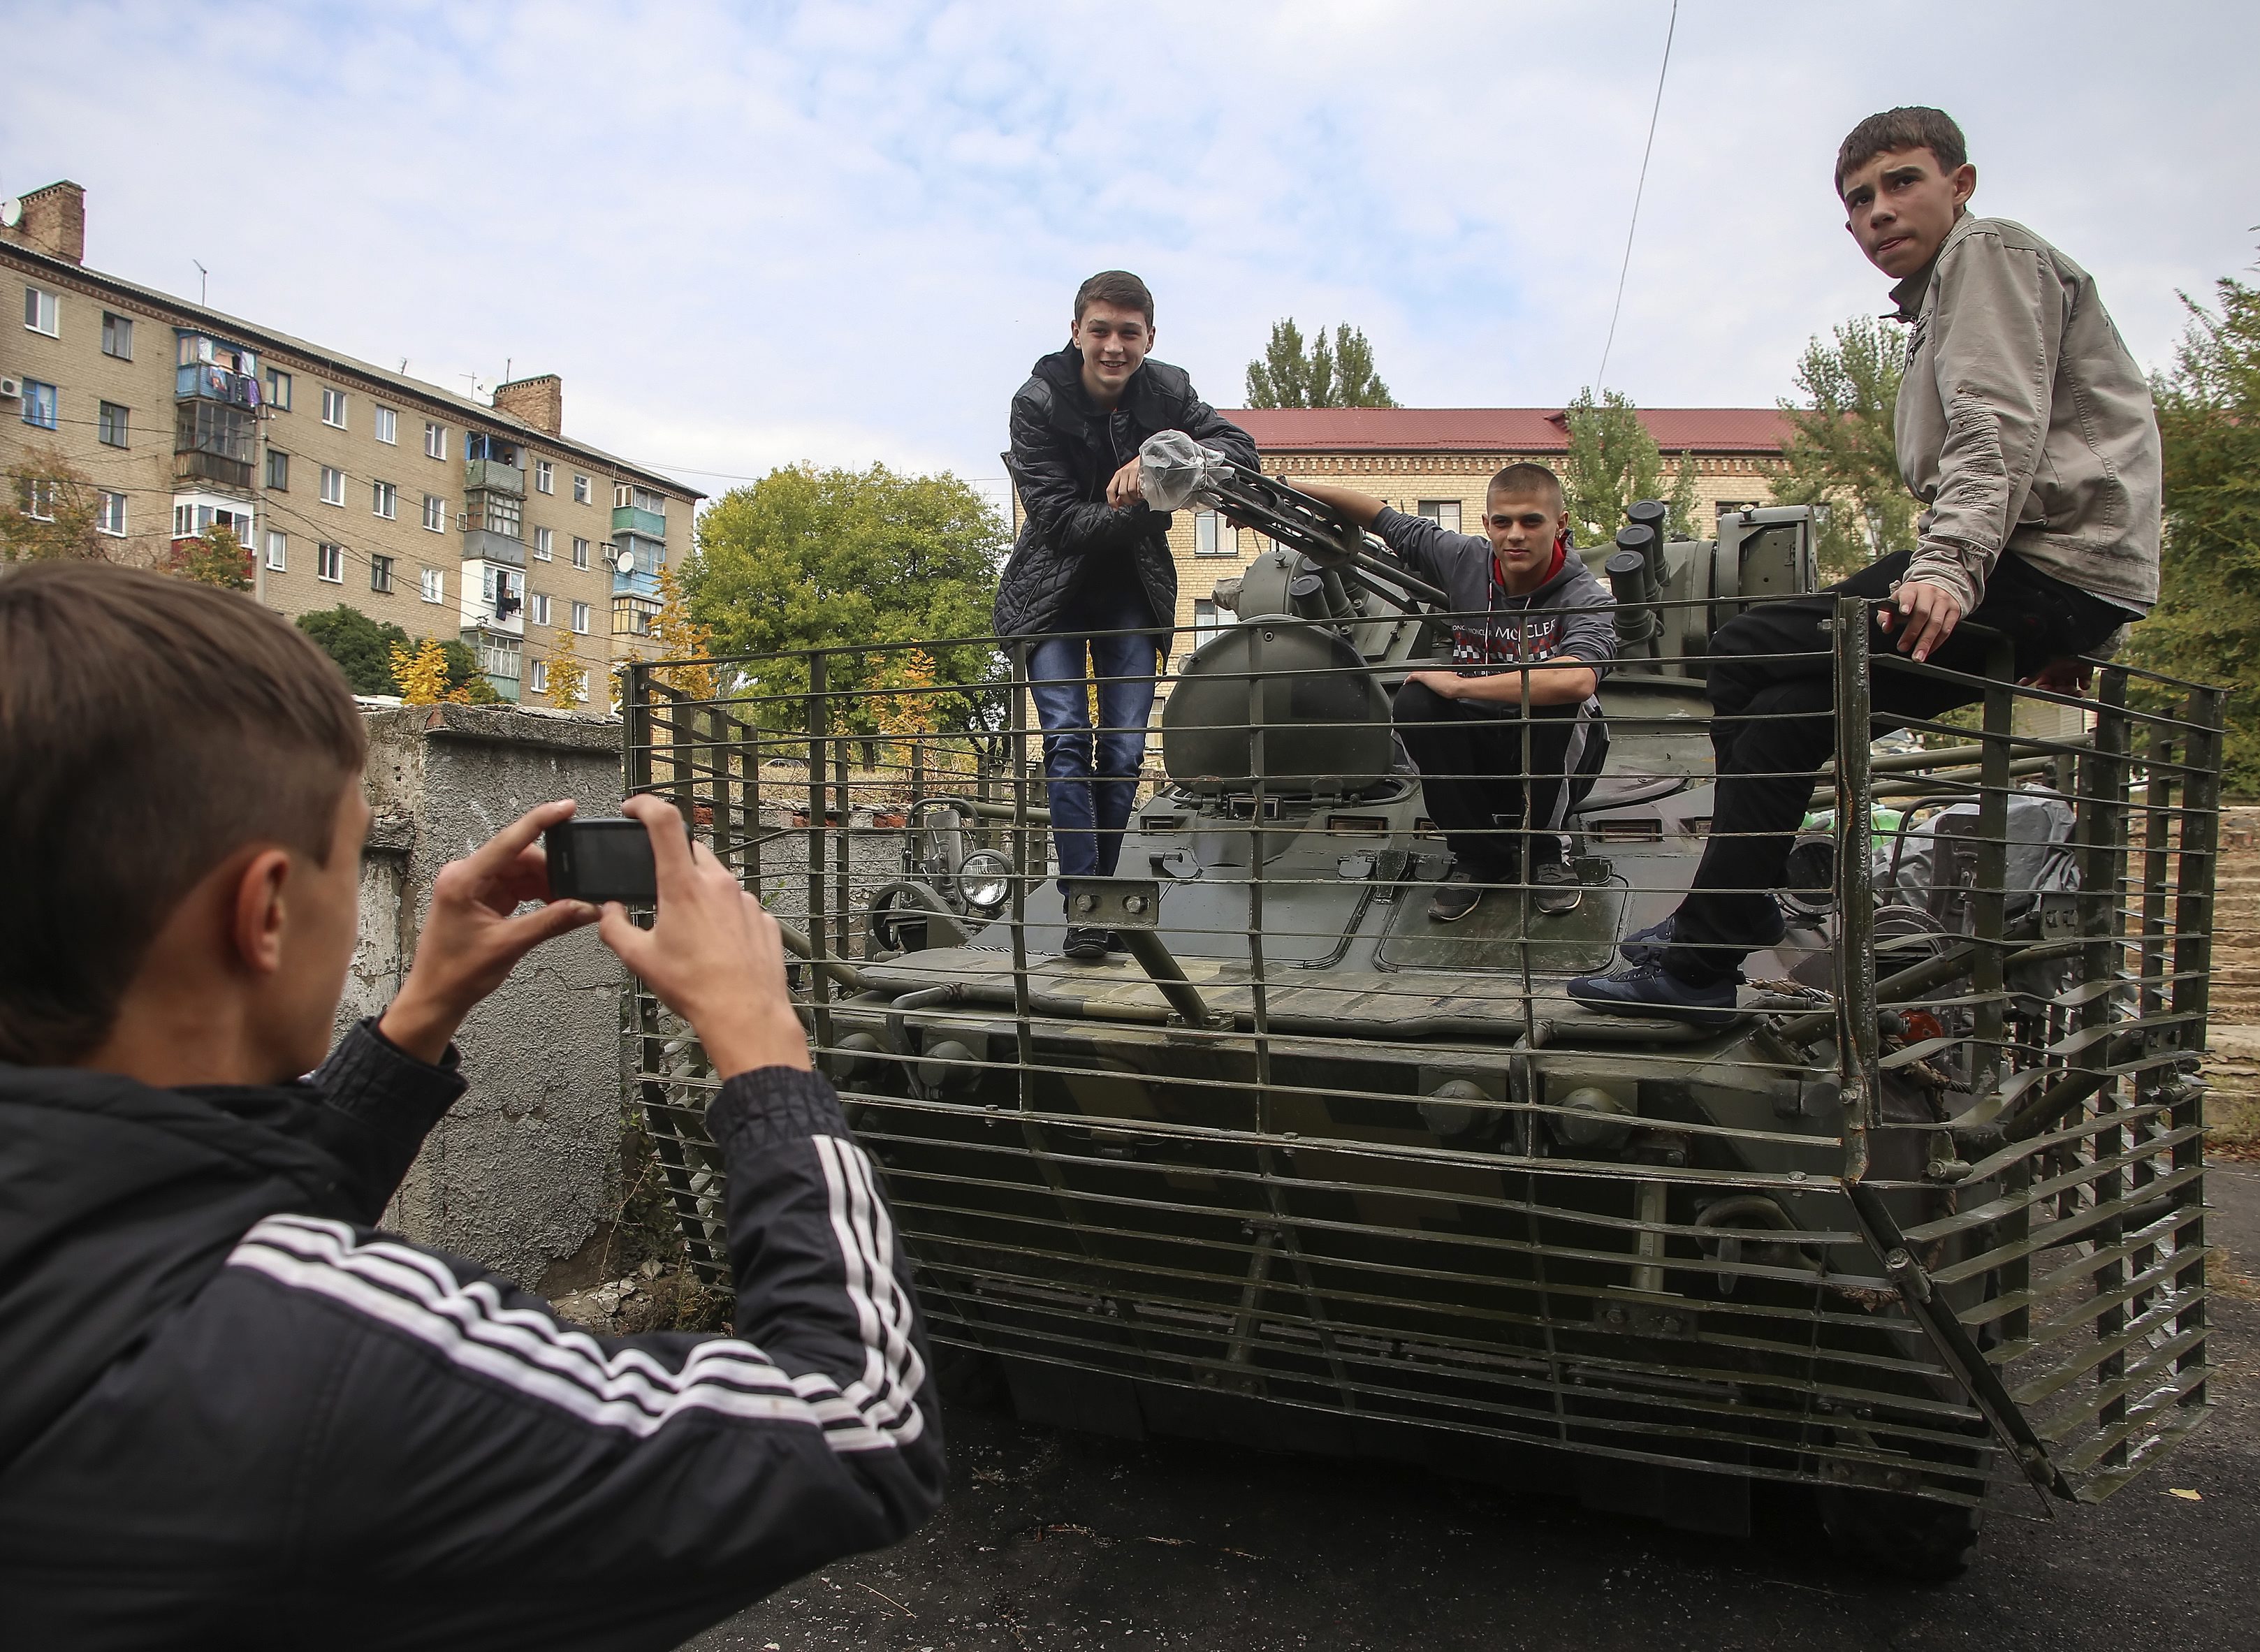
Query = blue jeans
x=1091 y=801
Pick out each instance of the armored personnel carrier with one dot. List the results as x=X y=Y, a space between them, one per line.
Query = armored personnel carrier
x=1300 y=1167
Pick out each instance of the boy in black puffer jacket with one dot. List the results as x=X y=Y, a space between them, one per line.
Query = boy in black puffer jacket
x=1090 y=582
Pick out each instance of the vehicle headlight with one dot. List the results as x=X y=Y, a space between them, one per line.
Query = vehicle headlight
x=984 y=878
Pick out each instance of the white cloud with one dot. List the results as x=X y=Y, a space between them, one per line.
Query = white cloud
x=751 y=236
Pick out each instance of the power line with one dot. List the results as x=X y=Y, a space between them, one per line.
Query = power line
x=1656 y=109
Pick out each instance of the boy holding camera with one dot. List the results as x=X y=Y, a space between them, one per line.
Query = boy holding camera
x=238 y=1413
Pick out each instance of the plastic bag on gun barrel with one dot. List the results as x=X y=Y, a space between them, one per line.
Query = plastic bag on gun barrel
x=1174 y=470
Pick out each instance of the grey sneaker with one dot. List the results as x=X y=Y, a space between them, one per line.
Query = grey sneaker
x=1555 y=890
x=1456 y=897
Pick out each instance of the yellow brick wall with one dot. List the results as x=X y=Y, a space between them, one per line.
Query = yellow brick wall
x=73 y=362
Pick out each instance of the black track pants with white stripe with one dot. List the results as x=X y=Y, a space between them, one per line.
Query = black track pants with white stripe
x=347 y=1441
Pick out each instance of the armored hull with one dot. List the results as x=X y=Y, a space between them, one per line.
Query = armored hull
x=1301 y=1166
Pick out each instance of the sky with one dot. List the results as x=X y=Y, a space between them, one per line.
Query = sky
x=750 y=235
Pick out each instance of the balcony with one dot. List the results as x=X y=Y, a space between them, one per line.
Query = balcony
x=627 y=519
x=208 y=467
x=200 y=382
x=480 y=546
x=494 y=476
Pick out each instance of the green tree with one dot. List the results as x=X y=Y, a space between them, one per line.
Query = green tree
x=215 y=557
x=1613 y=462
x=1336 y=373
x=808 y=559
x=1841 y=453
x=51 y=510
x=2207 y=624
x=363 y=647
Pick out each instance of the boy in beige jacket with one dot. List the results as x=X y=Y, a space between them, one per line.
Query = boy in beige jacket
x=2027 y=430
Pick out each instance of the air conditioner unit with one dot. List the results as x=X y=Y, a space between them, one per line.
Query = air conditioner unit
x=12 y=388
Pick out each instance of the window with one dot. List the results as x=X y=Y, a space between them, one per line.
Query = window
x=436 y=440
x=580 y=619
x=110 y=425
x=1204 y=625
x=330 y=563
x=633 y=617
x=116 y=336
x=278 y=470
x=40 y=311
x=543 y=545
x=580 y=553
x=333 y=407
x=1445 y=514
x=435 y=585
x=537 y=675
x=278 y=389
x=624 y=495
x=544 y=477
x=333 y=486
x=537 y=607
x=384 y=499
x=278 y=552
x=1207 y=540
x=498 y=657
x=388 y=425
x=39 y=504
x=39 y=404
x=584 y=695
x=435 y=513
x=112 y=520
x=579 y=489
x=380 y=573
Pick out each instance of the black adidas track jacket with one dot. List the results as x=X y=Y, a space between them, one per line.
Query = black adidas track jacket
x=233 y=1414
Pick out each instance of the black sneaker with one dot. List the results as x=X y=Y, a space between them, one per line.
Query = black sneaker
x=1649 y=988
x=1085 y=944
x=1456 y=897
x=1555 y=890
x=1646 y=945
x=1115 y=946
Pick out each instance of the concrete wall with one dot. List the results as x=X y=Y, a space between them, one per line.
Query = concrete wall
x=522 y=1173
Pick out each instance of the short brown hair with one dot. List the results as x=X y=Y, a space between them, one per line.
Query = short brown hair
x=1116 y=287
x=1526 y=478
x=149 y=728
x=1912 y=127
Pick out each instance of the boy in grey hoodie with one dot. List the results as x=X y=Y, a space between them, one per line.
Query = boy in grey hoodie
x=2027 y=429
x=1520 y=600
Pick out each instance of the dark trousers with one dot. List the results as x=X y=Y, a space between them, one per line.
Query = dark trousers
x=1773 y=724
x=1090 y=786
x=1470 y=758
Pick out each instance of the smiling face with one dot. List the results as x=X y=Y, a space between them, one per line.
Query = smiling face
x=1900 y=205
x=1523 y=528
x=1113 y=343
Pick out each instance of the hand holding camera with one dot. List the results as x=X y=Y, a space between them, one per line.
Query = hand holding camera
x=712 y=954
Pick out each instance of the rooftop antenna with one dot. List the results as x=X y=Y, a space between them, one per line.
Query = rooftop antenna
x=204 y=282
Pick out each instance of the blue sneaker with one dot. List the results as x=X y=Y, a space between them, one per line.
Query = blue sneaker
x=1646 y=945
x=1649 y=988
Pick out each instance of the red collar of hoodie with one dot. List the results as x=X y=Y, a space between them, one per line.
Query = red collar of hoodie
x=1561 y=555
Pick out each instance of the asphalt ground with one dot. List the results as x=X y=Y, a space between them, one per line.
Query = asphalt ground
x=1056 y=1541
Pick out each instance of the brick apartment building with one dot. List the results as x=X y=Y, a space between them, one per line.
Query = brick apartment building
x=1437 y=462
x=444 y=515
